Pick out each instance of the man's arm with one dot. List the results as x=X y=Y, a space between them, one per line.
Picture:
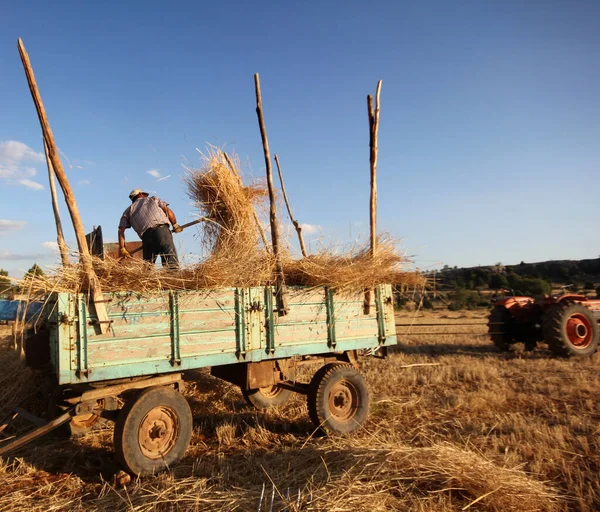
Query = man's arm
x=122 y=250
x=172 y=219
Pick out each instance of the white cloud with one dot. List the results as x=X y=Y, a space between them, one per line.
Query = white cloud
x=164 y=177
x=16 y=159
x=311 y=229
x=6 y=226
x=83 y=182
x=154 y=172
x=11 y=256
x=52 y=246
x=31 y=184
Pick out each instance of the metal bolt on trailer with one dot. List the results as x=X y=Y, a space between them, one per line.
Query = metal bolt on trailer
x=155 y=338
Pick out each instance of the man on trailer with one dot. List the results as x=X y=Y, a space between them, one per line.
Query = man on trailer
x=150 y=218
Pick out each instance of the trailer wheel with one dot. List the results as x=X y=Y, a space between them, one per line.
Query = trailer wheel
x=338 y=399
x=501 y=327
x=270 y=396
x=153 y=431
x=570 y=329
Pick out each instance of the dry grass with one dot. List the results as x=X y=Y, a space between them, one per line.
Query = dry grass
x=479 y=429
x=353 y=271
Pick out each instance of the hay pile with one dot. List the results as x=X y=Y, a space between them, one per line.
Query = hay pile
x=230 y=230
x=237 y=256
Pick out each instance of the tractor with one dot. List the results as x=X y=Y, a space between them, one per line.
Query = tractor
x=567 y=323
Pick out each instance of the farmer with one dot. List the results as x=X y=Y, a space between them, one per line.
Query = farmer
x=150 y=218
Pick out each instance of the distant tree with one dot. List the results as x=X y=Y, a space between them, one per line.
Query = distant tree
x=529 y=285
x=588 y=285
x=499 y=268
x=498 y=281
x=35 y=271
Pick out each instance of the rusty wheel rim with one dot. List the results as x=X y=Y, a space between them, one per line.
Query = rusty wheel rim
x=158 y=432
x=269 y=391
x=343 y=400
x=579 y=330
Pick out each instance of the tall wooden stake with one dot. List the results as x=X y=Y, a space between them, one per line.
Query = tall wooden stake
x=258 y=224
x=287 y=204
x=373 y=141
x=281 y=292
x=64 y=255
x=86 y=259
x=374 y=126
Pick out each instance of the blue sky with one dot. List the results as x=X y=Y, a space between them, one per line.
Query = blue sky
x=490 y=118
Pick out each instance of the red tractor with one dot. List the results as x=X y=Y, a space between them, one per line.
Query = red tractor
x=567 y=323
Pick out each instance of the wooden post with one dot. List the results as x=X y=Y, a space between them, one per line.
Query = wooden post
x=258 y=224
x=281 y=292
x=64 y=254
x=86 y=259
x=374 y=127
x=287 y=204
x=373 y=146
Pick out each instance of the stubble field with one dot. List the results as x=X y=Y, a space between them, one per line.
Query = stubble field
x=454 y=425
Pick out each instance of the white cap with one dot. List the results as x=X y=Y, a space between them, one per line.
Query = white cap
x=136 y=192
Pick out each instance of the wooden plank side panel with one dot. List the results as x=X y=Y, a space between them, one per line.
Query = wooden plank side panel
x=351 y=322
x=120 y=352
x=142 y=328
x=199 y=344
x=306 y=321
x=207 y=322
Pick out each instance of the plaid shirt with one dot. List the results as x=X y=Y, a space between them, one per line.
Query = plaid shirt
x=143 y=214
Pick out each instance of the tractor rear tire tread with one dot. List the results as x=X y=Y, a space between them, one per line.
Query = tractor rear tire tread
x=554 y=330
x=500 y=319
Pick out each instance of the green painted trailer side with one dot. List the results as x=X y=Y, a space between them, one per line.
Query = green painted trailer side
x=171 y=331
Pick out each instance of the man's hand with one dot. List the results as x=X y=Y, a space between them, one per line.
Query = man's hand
x=125 y=253
x=177 y=228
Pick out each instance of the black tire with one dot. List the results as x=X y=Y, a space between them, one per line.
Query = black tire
x=153 y=431
x=338 y=399
x=570 y=330
x=264 y=398
x=501 y=328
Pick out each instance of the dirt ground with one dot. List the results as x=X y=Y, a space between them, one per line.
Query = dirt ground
x=454 y=425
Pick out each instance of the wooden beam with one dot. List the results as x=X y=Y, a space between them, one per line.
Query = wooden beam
x=373 y=146
x=280 y=292
x=374 y=128
x=64 y=253
x=258 y=224
x=86 y=258
x=289 y=209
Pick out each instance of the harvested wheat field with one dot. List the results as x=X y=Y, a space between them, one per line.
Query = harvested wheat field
x=468 y=429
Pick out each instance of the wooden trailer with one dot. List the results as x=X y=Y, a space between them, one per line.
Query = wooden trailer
x=155 y=338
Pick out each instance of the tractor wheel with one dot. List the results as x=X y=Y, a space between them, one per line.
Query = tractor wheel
x=264 y=398
x=153 y=431
x=501 y=327
x=338 y=399
x=570 y=329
